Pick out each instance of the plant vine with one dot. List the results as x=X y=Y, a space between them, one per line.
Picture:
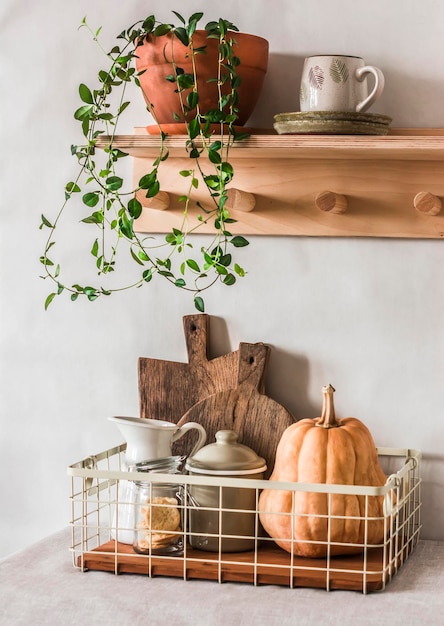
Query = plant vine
x=114 y=211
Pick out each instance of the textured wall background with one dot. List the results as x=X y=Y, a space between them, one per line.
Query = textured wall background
x=365 y=315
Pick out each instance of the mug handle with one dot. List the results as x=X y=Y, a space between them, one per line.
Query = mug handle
x=361 y=73
x=202 y=435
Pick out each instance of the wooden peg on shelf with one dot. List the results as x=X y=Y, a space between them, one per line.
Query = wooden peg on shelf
x=331 y=202
x=427 y=203
x=161 y=201
x=239 y=200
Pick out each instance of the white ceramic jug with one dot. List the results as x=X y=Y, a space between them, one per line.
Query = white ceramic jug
x=149 y=439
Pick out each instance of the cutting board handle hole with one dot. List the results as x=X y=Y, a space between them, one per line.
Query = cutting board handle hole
x=251 y=360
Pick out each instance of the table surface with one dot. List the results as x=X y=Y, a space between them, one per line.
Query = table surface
x=40 y=586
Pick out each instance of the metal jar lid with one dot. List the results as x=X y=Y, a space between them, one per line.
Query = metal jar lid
x=226 y=457
x=165 y=465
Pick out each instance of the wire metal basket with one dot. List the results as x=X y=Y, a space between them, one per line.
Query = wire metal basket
x=100 y=497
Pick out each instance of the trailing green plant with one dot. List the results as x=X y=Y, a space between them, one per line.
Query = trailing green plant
x=112 y=210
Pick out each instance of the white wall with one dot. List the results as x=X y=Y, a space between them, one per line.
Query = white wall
x=365 y=315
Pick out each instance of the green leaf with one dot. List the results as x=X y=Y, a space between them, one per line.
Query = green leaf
x=135 y=257
x=72 y=187
x=225 y=260
x=147 y=275
x=235 y=82
x=95 y=248
x=194 y=19
x=126 y=226
x=214 y=157
x=149 y=24
x=45 y=261
x=239 y=241
x=114 y=183
x=153 y=190
x=180 y=282
x=227 y=169
x=84 y=113
x=216 y=145
x=193 y=99
x=199 y=304
x=147 y=180
x=212 y=181
x=239 y=270
x=134 y=208
x=182 y=35
x=193 y=128
x=193 y=265
x=123 y=107
x=118 y=154
x=91 y=199
x=49 y=299
x=85 y=127
x=85 y=94
x=94 y=218
x=240 y=136
x=179 y=17
x=45 y=222
x=162 y=29
x=230 y=279
x=106 y=116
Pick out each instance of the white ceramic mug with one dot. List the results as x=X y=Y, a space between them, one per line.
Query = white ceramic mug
x=338 y=83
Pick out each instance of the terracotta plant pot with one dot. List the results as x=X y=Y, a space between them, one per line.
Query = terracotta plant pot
x=156 y=52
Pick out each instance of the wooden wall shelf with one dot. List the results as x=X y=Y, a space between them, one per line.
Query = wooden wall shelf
x=337 y=186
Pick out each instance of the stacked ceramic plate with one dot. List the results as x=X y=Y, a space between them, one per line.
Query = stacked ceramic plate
x=331 y=123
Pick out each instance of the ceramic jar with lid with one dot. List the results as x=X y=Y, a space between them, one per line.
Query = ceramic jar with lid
x=224 y=518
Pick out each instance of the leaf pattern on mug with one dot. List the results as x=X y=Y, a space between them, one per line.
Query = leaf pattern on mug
x=338 y=71
x=316 y=77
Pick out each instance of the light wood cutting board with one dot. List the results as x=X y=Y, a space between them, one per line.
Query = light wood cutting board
x=167 y=389
x=258 y=420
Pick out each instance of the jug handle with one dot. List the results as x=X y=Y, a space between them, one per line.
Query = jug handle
x=377 y=89
x=202 y=435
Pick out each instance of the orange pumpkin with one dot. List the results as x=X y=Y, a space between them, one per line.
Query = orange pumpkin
x=324 y=450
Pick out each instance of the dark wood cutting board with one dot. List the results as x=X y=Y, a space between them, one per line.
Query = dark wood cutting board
x=167 y=389
x=258 y=420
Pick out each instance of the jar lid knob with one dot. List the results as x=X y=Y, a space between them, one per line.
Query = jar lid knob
x=226 y=436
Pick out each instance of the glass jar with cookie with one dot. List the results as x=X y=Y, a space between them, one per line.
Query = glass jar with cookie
x=158 y=518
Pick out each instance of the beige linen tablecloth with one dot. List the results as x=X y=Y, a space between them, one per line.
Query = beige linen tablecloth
x=40 y=586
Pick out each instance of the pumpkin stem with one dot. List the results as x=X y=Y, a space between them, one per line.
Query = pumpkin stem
x=328 y=417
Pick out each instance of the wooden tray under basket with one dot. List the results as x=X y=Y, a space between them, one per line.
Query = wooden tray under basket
x=362 y=572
